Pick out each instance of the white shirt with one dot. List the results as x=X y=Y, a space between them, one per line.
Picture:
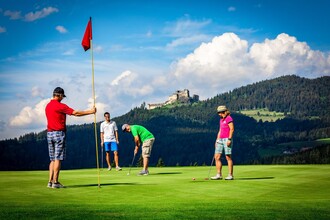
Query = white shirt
x=108 y=129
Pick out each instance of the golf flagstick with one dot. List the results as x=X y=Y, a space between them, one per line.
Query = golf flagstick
x=129 y=171
x=95 y=131
x=102 y=158
x=87 y=44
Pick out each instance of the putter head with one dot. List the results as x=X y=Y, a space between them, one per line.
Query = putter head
x=127 y=174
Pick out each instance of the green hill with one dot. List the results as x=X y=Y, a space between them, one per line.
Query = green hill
x=185 y=134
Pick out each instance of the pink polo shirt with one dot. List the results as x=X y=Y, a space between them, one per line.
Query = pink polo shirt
x=224 y=127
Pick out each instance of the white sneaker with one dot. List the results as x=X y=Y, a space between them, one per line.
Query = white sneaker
x=57 y=185
x=144 y=173
x=217 y=177
x=118 y=168
x=50 y=185
x=109 y=168
x=229 y=177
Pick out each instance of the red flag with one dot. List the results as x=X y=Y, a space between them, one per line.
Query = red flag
x=86 y=41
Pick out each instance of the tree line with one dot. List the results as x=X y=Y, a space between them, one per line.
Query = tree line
x=185 y=134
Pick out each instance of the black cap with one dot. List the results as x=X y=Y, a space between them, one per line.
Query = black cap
x=59 y=91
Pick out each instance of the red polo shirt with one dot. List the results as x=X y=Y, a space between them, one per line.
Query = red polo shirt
x=56 y=115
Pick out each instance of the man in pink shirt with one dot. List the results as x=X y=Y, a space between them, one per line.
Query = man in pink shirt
x=224 y=143
x=56 y=128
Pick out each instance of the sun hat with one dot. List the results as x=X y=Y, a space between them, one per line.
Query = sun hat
x=124 y=127
x=222 y=108
x=59 y=91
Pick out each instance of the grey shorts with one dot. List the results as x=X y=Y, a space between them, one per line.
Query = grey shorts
x=221 y=145
x=56 y=145
x=147 y=147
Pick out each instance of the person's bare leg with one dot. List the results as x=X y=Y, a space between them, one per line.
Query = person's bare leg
x=51 y=171
x=57 y=168
x=107 y=157
x=230 y=165
x=218 y=163
x=115 y=154
x=145 y=163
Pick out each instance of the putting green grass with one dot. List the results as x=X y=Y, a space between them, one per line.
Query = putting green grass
x=258 y=192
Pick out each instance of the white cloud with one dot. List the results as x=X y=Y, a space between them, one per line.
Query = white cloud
x=185 y=27
x=130 y=84
x=34 y=117
x=30 y=116
x=100 y=107
x=61 y=29
x=2 y=29
x=227 y=62
x=285 y=55
x=186 y=33
x=36 y=92
x=222 y=55
x=13 y=15
x=186 y=41
x=32 y=16
x=121 y=77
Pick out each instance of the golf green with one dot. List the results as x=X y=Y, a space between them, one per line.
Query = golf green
x=258 y=192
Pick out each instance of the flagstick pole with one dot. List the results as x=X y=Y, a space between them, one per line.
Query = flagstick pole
x=95 y=132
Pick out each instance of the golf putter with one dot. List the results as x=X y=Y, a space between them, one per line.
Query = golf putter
x=208 y=176
x=129 y=171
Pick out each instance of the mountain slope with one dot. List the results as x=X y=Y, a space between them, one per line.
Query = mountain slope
x=185 y=135
x=300 y=96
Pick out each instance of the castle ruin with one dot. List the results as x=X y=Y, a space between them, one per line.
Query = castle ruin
x=180 y=96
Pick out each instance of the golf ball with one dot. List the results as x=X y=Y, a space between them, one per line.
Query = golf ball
x=127 y=174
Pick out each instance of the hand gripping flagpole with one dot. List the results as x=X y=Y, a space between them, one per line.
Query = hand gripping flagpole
x=87 y=43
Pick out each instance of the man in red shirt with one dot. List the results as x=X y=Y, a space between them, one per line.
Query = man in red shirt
x=56 y=127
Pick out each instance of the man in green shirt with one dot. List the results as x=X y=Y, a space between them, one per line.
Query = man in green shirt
x=141 y=134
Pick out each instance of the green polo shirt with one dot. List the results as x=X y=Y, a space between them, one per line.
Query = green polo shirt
x=141 y=132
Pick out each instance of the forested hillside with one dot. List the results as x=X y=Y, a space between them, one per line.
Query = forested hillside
x=185 y=134
x=289 y=94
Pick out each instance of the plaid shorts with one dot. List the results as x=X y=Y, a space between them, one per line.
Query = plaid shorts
x=56 y=145
x=221 y=145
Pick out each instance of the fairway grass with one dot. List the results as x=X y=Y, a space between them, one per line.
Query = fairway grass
x=258 y=192
x=263 y=114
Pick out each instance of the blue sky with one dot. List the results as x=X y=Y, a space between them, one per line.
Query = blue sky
x=146 y=50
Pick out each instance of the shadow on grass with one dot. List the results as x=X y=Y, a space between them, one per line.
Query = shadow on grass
x=243 y=178
x=255 y=178
x=103 y=184
x=166 y=173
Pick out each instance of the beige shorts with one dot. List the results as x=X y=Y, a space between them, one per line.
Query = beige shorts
x=147 y=147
